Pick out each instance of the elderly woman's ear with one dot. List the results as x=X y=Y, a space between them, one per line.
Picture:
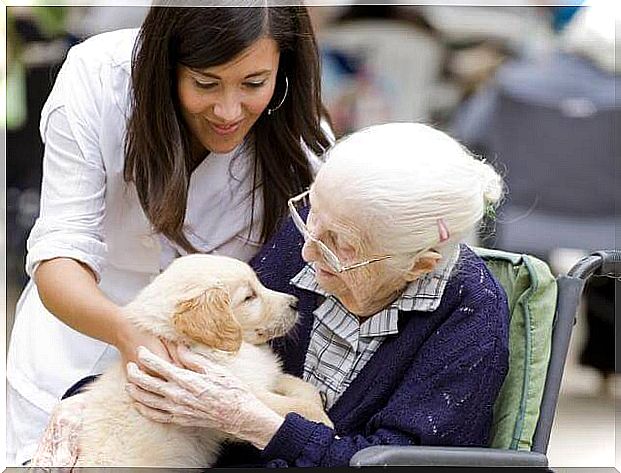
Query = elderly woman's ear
x=423 y=265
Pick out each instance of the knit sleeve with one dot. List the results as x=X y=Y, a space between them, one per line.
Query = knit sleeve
x=303 y=443
x=446 y=396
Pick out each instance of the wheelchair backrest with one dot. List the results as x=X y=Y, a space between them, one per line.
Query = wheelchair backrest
x=532 y=294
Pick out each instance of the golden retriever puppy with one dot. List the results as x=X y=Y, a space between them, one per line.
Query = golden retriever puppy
x=219 y=308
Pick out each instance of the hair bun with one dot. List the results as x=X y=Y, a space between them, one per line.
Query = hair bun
x=491 y=182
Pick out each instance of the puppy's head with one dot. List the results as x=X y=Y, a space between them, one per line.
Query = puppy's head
x=213 y=300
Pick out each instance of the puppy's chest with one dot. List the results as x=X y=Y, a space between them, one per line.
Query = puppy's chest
x=257 y=366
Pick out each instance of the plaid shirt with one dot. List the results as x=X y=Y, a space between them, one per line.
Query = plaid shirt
x=340 y=344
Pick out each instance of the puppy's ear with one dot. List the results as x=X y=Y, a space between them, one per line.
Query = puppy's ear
x=207 y=318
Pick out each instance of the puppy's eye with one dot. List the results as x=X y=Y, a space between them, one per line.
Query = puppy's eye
x=250 y=297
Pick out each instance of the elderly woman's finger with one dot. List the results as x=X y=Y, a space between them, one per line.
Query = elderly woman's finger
x=159 y=403
x=67 y=450
x=169 y=371
x=166 y=417
x=155 y=364
x=172 y=351
x=147 y=382
x=154 y=414
x=189 y=380
x=44 y=456
x=194 y=361
x=187 y=359
x=59 y=444
x=173 y=390
x=216 y=373
x=147 y=398
x=208 y=387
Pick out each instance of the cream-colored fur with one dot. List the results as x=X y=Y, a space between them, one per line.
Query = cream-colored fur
x=217 y=306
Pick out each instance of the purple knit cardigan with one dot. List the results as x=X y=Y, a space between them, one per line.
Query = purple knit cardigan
x=433 y=383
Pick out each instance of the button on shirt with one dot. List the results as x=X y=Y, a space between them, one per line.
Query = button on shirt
x=341 y=344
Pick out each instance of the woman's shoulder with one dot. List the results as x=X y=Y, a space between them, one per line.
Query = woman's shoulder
x=471 y=272
x=473 y=288
x=112 y=48
x=95 y=73
x=100 y=62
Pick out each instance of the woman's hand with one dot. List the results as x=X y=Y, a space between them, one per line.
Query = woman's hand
x=131 y=337
x=211 y=398
x=59 y=445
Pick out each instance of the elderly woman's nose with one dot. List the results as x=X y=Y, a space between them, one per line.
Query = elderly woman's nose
x=309 y=251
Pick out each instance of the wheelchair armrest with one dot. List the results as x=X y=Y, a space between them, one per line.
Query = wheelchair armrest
x=383 y=455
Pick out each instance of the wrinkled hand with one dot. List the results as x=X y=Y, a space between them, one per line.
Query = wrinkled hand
x=211 y=398
x=59 y=445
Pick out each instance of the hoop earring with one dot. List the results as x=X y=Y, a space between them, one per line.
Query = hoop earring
x=272 y=110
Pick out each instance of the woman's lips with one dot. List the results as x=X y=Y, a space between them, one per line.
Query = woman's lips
x=322 y=272
x=225 y=129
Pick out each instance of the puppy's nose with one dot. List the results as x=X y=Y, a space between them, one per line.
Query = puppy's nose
x=293 y=302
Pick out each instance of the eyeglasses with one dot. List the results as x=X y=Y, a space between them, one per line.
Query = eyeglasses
x=327 y=254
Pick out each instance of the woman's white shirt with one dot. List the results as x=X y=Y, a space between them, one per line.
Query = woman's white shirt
x=89 y=213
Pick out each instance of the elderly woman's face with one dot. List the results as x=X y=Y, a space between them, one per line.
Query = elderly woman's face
x=365 y=290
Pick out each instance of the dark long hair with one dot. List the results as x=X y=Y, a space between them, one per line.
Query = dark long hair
x=157 y=143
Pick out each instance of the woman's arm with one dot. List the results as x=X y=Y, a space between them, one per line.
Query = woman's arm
x=68 y=289
x=66 y=247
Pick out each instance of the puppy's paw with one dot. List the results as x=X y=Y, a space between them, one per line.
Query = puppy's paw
x=291 y=386
x=318 y=415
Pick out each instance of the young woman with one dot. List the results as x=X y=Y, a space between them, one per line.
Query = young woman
x=187 y=135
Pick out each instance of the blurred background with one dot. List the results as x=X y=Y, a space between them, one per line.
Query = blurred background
x=529 y=86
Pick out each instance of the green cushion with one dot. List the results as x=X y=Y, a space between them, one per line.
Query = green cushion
x=531 y=292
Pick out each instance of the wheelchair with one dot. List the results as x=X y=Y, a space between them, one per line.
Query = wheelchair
x=543 y=312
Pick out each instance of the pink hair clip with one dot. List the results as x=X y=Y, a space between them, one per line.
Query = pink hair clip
x=443 y=230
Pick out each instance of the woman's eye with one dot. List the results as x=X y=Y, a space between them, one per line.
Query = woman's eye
x=204 y=85
x=255 y=85
x=347 y=251
x=330 y=240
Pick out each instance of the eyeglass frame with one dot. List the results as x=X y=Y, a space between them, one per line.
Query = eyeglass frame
x=328 y=255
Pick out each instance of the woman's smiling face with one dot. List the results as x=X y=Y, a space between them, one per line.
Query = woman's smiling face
x=220 y=104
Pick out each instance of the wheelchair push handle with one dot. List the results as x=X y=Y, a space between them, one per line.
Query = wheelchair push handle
x=601 y=263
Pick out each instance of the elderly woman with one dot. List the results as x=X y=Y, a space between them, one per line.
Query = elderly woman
x=402 y=328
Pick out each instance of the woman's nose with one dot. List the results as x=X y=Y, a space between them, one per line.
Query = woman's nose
x=309 y=251
x=228 y=108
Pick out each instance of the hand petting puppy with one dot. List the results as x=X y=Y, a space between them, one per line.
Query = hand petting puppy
x=204 y=395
